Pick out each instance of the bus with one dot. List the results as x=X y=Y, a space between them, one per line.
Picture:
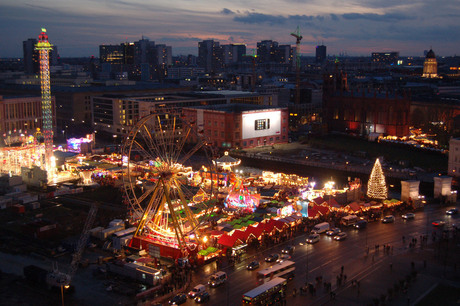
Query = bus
x=284 y=269
x=270 y=293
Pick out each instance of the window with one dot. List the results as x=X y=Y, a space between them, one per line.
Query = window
x=245 y=143
x=251 y=142
x=262 y=124
x=277 y=138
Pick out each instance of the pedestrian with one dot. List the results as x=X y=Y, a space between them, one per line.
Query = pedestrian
x=341 y=269
x=294 y=292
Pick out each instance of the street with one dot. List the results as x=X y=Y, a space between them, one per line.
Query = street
x=326 y=257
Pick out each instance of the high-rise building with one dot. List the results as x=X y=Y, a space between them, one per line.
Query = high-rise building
x=31 y=57
x=163 y=55
x=320 y=54
x=31 y=65
x=266 y=50
x=210 y=56
x=117 y=54
x=430 y=66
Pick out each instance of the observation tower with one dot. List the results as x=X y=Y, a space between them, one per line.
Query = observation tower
x=43 y=46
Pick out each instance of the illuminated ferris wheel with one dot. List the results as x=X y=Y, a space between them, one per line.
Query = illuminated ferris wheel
x=161 y=153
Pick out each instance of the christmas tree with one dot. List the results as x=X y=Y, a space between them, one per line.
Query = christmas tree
x=376 y=187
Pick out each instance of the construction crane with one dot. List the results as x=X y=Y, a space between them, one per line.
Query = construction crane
x=61 y=279
x=253 y=79
x=298 y=37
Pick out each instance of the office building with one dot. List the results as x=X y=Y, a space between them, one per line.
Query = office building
x=240 y=125
x=320 y=54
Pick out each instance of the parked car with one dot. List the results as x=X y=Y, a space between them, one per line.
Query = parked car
x=360 y=224
x=217 y=279
x=272 y=257
x=333 y=231
x=313 y=238
x=388 y=219
x=253 y=265
x=452 y=211
x=408 y=216
x=178 y=299
x=289 y=249
x=340 y=236
x=196 y=290
x=202 y=297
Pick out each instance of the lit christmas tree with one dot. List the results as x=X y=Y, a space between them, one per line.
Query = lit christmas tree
x=376 y=186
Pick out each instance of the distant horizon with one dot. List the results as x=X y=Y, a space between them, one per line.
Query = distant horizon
x=356 y=28
x=96 y=55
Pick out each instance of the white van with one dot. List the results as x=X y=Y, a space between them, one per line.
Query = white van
x=217 y=279
x=321 y=228
x=196 y=290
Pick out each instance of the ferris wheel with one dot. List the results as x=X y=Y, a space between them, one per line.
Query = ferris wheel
x=161 y=152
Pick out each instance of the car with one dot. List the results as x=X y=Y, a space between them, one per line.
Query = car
x=272 y=258
x=333 y=231
x=283 y=257
x=388 y=219
x=180 y=298
x=196 y=290
x=408 y=216
x=340 y=236
x=202 y=297
x=452 y=211
x=289 y=249
x=360 y=224
x=438 y=223
x=253 y=265
x=313 y=238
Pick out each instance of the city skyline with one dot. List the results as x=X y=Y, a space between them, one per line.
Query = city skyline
x=355 y=29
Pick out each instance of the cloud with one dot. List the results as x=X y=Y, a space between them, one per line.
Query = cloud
x=255 y=18
x=391 y=17
x=226 y=11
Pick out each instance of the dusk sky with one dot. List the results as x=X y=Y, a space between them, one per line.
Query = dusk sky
x=357 y=27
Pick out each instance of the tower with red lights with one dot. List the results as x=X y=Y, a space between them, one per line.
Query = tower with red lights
x=43 y=46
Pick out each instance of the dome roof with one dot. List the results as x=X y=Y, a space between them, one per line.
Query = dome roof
x=430 y=54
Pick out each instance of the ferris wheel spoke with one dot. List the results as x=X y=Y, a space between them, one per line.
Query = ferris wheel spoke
x=148 y=140
x=145 y=194
x=162 y=140
x=181 y=143
x=191 y=152
x=147 y=153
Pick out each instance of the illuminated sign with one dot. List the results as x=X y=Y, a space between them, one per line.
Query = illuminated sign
x=261 y=124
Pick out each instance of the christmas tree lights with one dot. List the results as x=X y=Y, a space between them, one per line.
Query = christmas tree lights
x=376 y=186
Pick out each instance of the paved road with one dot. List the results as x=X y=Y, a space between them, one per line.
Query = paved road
x=326 y=257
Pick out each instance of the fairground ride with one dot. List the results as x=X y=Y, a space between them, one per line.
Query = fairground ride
x=160 y=152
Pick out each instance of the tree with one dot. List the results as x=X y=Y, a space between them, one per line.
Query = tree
x=376 y=186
